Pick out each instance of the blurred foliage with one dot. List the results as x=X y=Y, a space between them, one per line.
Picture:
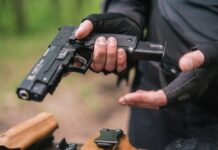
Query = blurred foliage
x=26 y=29
x=34 y=15
x=82 y=104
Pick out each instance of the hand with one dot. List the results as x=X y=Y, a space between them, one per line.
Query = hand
x=144 y=99
x=191 y=60
x=155 y=99
x=106 y=55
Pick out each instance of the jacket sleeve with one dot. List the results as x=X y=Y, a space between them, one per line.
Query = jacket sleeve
x=138 y=10
x=210 y=51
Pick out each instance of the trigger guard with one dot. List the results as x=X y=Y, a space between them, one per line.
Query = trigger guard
x=84 y=67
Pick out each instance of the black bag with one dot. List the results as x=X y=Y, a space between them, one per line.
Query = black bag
x=203 y=143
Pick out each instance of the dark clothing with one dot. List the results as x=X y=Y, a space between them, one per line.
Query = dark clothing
x=183 y=24
x=190 y=21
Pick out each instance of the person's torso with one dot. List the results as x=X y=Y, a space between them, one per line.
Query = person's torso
x=182 y=24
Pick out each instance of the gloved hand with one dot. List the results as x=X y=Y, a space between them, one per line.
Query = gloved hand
x=107 y=56
x=111 y=23
x=188 y=86
x=200 y=69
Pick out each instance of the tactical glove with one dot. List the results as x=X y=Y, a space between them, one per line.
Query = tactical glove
x=190 y=86
x=114 y=23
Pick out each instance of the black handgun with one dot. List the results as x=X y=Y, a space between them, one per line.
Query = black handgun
x=68 y=54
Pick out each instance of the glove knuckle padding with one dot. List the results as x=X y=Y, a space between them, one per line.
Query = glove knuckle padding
x=119 y=24
x=114 y=23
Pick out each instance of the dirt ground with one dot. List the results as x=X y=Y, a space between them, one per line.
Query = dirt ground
x=82 y=105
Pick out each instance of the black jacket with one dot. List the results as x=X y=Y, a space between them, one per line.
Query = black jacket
x=194 y=22
x=185 y=25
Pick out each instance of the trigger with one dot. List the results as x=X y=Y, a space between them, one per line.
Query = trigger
x=78 y=64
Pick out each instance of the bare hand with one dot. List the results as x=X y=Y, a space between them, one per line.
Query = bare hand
x=106 y=56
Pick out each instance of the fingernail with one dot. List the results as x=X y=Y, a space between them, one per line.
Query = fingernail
x=101 y=41
x=189 y=63
x=79 y=32
x=122 y=100
x=120 y=53
x=111 y=41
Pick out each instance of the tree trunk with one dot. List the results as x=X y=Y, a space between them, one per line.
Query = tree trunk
x=19 y=15
x=2 y=6
x=57 y=9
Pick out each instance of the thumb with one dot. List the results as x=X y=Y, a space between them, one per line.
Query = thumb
x=85 y=28
x=191 y=60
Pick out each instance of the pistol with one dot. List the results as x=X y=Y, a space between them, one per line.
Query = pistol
x=68 y=54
